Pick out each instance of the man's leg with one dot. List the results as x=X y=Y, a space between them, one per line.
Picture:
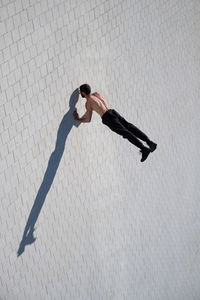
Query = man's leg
x=116 y=126
x=132 y=128
x=136 y=131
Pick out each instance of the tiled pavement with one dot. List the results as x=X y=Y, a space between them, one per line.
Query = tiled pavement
x=81 y=217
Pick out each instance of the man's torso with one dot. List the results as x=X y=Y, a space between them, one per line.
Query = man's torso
x=98 y=103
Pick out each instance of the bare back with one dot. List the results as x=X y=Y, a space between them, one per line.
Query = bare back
x=98 y=103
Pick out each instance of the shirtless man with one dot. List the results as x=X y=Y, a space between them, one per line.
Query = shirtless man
x=112 y=119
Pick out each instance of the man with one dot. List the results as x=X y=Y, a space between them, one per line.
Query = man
x=113 y=120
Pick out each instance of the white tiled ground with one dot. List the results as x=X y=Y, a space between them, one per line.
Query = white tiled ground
x=106 y=225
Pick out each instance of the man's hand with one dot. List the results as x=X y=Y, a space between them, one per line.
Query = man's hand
x=76 y=116
x=82 y=120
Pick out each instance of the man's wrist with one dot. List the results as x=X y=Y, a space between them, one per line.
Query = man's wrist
x=82 y=120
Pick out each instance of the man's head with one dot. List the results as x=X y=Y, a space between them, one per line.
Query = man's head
x=85 y=89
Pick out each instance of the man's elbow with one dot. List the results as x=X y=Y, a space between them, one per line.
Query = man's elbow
x=89 y=119
x=85 y=120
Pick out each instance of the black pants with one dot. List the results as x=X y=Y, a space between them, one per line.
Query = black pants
x=118 y=124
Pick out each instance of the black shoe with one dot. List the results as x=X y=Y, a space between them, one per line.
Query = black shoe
x=145 y=152
x=152 y=145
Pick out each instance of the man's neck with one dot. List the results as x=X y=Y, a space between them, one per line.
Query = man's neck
x=88 y=96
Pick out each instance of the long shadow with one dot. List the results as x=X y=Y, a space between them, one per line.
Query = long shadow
x=54 y=160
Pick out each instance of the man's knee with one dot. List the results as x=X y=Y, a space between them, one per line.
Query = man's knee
x=127 y=134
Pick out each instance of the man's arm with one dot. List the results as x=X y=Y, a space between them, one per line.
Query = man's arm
x=76 y=117
x=88 y=115
x=83 y=120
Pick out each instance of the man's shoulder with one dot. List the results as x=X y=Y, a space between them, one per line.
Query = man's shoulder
x=88 y=104
x=98 y=95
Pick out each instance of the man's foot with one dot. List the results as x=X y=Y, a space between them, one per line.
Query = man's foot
x=151 y=145
x=145 y=152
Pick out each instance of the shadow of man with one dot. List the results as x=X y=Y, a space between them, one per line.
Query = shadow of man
x=54 y=160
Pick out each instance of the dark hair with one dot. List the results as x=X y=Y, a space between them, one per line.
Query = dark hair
x=85 y=88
